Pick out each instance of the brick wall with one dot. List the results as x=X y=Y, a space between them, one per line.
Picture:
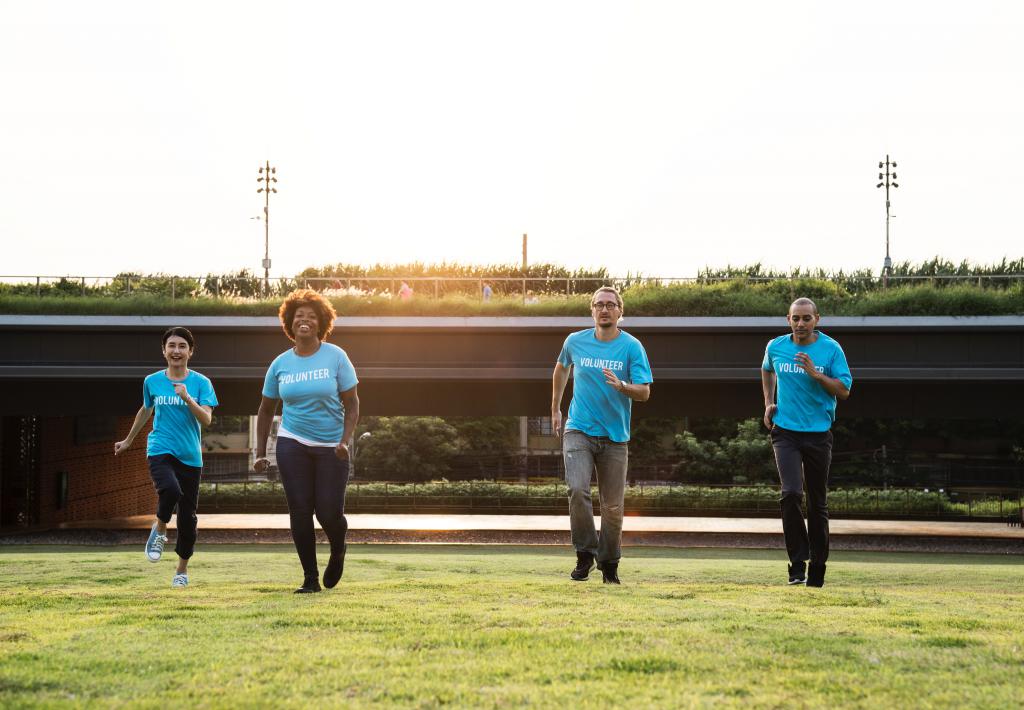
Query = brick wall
x=100 y=485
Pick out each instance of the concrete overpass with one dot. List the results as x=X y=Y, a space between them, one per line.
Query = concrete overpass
x=940 y=367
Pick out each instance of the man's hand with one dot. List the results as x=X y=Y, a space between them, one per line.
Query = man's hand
x=804 y=360
x=341 y=451
x=769 y=414
x=121 y=446
x=556 y=422
x=612 y=379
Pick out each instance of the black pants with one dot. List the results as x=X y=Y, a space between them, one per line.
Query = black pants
x=314 y=481
x=803 y=459
x=177 y=484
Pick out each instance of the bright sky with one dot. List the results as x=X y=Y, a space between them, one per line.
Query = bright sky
x=650 y=137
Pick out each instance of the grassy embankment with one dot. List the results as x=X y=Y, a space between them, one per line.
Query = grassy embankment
x=497 y=626
x=734 y=298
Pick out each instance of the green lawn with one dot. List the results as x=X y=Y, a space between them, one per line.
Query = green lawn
x=424 y=626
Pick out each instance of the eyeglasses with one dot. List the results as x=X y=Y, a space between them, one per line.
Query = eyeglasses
x=604 y=305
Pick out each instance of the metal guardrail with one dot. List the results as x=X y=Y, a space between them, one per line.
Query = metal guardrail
x=433 y=286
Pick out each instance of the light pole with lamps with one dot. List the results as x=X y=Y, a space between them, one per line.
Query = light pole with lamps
x=886 y=182
x=267 y=176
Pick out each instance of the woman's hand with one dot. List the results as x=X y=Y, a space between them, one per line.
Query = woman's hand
x=341 y=451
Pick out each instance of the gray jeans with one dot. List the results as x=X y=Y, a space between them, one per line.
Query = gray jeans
x=583 y=454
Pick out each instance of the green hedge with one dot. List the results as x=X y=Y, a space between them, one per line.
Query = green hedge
x=734 y=298
x=652 y=499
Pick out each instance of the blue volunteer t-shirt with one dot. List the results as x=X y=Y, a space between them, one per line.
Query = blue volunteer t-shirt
x=803 y=404
x=176 y=430
x=309 y=386
x=598 y=409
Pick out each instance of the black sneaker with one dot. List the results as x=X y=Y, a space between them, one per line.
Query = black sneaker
x=310 y=585
x=798 y=573
x=816 y=576
x=609 y=572
x=584 y=563
x=335 y=567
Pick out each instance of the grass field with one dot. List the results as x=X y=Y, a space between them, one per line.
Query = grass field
x=498 y=626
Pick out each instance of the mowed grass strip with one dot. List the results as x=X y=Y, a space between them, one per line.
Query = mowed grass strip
x=497 y=626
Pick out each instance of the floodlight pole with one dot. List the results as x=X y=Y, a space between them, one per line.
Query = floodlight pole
x=888 y=180
x=267 y=176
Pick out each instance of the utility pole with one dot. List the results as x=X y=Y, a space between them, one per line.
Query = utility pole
x=524 y=255
x=888 y=180
x=267 y=176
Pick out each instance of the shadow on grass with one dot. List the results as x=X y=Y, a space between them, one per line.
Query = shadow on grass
x=558 y=551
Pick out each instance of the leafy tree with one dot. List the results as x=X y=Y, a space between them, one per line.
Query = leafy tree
x=407 y=448
x=492 y=436
x=745 y=457
x=651 y=439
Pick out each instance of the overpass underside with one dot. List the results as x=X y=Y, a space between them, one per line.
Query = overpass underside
x=903 y=367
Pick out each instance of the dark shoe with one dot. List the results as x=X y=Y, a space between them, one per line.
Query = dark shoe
x=798 y=573
x=335 y=567
x=609 y=572
x=584 y=563
x=816 y=576
x=310 y=585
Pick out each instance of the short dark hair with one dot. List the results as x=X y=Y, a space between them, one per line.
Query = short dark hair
x=325 y=313
x=804 y=302
x=181 y=333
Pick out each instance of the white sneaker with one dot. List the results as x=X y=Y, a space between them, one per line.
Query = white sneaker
x=155 y=545
x=179 y=581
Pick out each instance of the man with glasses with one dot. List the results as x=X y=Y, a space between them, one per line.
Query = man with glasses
x=809 y=372
x=610 y=370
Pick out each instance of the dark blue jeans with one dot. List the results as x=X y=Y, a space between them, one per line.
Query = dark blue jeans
x=177 y=485
x=803 y=459
x=314 y=481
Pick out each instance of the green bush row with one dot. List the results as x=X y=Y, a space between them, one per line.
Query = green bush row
x=846 y=501
x=733 y=298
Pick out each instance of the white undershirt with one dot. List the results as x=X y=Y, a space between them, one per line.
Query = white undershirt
x=283 y=433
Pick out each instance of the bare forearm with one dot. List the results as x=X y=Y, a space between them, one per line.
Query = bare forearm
x=559 y=379
x=351 y=420
x=768 y=387
x=834 y=387
x=637 y=393
x=204 y=415
x=141 y=417
x=263 y=420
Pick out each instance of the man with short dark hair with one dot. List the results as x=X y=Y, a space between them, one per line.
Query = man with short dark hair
x=808 y=371
x=610 y=370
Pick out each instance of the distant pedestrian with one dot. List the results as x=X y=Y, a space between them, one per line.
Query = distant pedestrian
x=317 y=384
x=183 y=401
x=488 y=292
x=610 y=370
x=802 y=375
x=405 y=292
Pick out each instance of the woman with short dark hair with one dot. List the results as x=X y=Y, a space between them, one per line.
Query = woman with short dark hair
x=316 y=382
x=183 y=400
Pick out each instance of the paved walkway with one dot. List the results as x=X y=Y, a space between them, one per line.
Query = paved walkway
x=560 y=524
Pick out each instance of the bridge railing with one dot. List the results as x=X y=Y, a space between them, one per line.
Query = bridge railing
x=251 y=287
